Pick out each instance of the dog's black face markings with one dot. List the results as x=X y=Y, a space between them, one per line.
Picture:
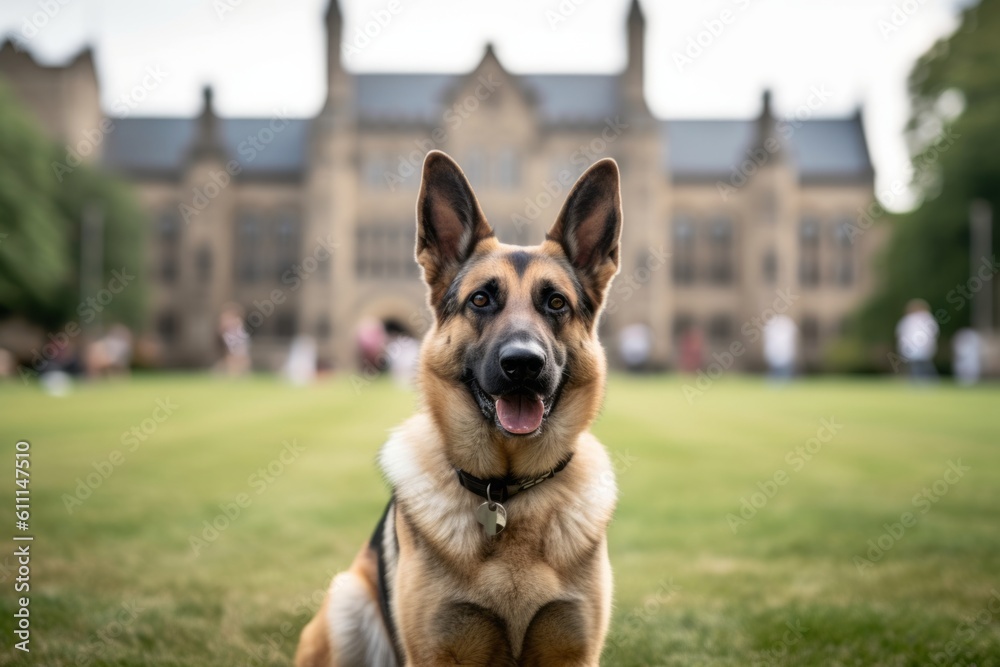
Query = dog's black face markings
x=452 y=303
x=553 y=305
x=484 y=302
x=500 y=327
x=520 y=261
x=518 y=360
x=585 y=306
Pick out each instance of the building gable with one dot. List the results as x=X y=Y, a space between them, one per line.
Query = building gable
x=821 y=149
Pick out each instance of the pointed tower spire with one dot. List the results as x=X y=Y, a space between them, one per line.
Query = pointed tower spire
x=635 y=13
x=634 y=96
x=338 y=81
x=333 y=11
x=765 y=120
x=636 y=36
x=767 y=134
x=334 y=27
x=489 y=57
x=208 y=142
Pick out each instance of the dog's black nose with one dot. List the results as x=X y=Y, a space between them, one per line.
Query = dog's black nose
x=522 y=361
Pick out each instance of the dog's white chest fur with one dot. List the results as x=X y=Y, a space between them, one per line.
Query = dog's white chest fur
x=551 y=528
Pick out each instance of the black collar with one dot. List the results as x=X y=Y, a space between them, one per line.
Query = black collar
x=502 y=488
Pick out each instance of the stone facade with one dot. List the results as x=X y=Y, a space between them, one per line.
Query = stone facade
x=309 y=223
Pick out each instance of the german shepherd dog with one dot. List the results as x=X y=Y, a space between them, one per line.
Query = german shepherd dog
x=493 y=548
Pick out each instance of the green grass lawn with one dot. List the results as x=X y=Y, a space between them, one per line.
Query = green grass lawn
x=116 y=580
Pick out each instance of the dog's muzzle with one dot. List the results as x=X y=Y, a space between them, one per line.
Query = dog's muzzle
x=516 y=388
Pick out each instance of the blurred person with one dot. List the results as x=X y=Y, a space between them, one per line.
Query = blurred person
x=300 y=367
x=635 y=344
x=68 y=359
x=916 y=340
x=148 y=351
x=692 y=349
x=967 y=356
x=404 y=356
x=235 y=341
x=56 y=377
x=780 y=343
x=110 y=354
x=56 y=383
x=372 y=339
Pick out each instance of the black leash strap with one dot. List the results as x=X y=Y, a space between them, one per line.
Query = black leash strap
x=376 y=543
x=502 y=488
x=495 y=490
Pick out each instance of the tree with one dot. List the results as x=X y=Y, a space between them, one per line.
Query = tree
x=41 y=212
x=33 y=247
x=952 y=134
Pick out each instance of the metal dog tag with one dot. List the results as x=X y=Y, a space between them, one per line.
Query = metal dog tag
x=493 y=517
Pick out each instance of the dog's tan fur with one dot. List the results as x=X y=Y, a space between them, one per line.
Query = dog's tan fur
x=539 y=593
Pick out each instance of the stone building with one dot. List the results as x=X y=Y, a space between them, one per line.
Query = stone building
x=309 y=223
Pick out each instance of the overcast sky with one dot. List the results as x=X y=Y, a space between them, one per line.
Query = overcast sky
x=262 y=55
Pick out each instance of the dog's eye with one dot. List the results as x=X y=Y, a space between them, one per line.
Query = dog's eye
x=480 y=299
x=557 y=302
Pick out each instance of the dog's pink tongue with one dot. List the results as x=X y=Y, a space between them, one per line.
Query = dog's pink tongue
x=519 y=413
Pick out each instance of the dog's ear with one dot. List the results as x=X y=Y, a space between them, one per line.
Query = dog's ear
x=589 y=227
x=449 y=222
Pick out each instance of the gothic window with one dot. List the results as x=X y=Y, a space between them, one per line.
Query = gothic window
x=809 y=252
x=323 y=328
x=385 y=251
x=284 y=325
x=769 y=267
x=168 y=269
x=682 y=324
x=843 y=253
x=684 y=250
x=168 y=232
x=168 y=226
x=810 y=331
x=286 y=228
x=722 y=257
x=203 y=264
x=720 y=329
x=249 y=230
x=167 y=326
